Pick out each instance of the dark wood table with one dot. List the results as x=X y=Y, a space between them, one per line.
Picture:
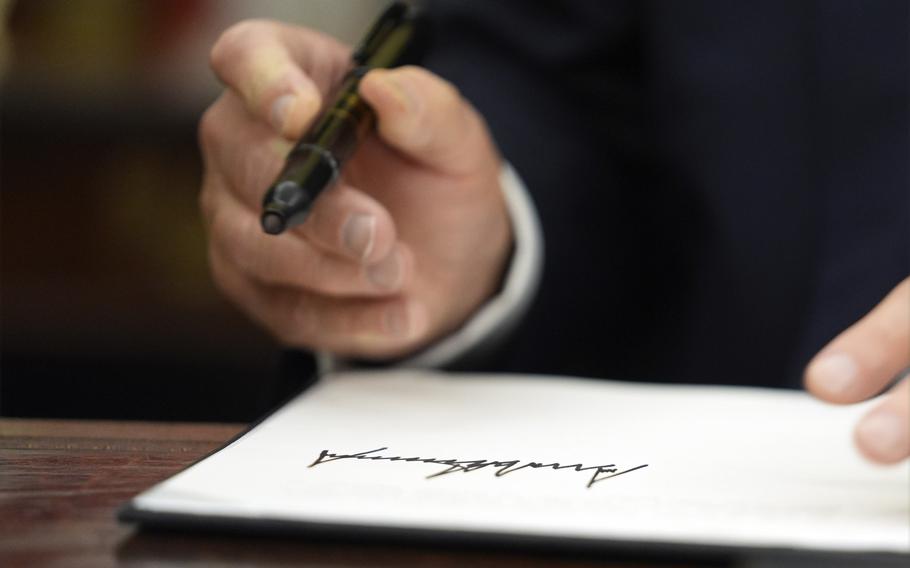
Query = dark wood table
x=61 y=482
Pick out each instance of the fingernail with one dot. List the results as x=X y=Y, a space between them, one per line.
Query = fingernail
x=885 y=434
x=358 y=234
x=280 y=110
x=835 y=373
x=386 y=274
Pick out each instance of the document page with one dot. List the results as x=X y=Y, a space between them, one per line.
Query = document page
x=556 y=457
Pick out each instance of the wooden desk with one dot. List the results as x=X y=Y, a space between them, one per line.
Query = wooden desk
x=62 y=481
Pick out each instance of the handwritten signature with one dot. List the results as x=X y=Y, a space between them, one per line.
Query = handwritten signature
x=502 y=467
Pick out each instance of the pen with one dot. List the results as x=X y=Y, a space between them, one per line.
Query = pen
x=315 y=162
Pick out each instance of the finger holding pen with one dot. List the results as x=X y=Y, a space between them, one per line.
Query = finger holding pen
x=281 y=72
x=246 y=155
x=257 y=61
x=426 y=119
x=412 y=239
x=304 y=296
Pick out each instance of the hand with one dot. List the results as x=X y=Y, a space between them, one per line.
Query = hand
x=402 y=250
x=859 y=363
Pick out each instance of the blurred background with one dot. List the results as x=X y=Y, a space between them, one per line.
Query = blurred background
x=106 y=305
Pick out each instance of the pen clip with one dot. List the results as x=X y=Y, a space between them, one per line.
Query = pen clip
x=387 y=22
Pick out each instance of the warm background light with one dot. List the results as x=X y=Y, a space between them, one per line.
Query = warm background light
x=107 y=306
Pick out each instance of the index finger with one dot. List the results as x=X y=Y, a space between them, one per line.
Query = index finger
x=280 y=71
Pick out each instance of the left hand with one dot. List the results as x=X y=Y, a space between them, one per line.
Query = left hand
x=859 y=363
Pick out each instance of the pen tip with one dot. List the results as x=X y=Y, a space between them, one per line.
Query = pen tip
x=272 y=223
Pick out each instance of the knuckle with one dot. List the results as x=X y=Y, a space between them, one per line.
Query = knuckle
x=444 y=93
x=259 y=166
x=327 y=59
x=205 y=201
x=220 y=240
x=209 y=127
x=239 y=238
x=234 y=40
x=229 y=238
x=448 y=96
x=411 y=72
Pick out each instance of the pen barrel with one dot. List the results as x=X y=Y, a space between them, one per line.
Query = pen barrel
x=315 y=162
x=346 y=121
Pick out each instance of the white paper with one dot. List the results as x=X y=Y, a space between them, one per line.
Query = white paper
x=724 y=465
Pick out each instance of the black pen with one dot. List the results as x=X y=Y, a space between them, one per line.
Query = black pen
x=315 y=162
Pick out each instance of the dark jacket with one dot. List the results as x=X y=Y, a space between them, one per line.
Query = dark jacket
x=723 y=185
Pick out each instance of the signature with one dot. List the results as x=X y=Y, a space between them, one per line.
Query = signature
x=502 y=467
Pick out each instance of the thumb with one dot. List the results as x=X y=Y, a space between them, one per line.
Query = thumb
x=426 y=118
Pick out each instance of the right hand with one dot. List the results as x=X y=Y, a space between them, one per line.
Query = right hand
x=400 y=252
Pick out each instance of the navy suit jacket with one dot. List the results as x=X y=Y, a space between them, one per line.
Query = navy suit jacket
x=723 y=185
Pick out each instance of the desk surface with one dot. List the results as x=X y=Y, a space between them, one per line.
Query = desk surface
x=61 y=482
